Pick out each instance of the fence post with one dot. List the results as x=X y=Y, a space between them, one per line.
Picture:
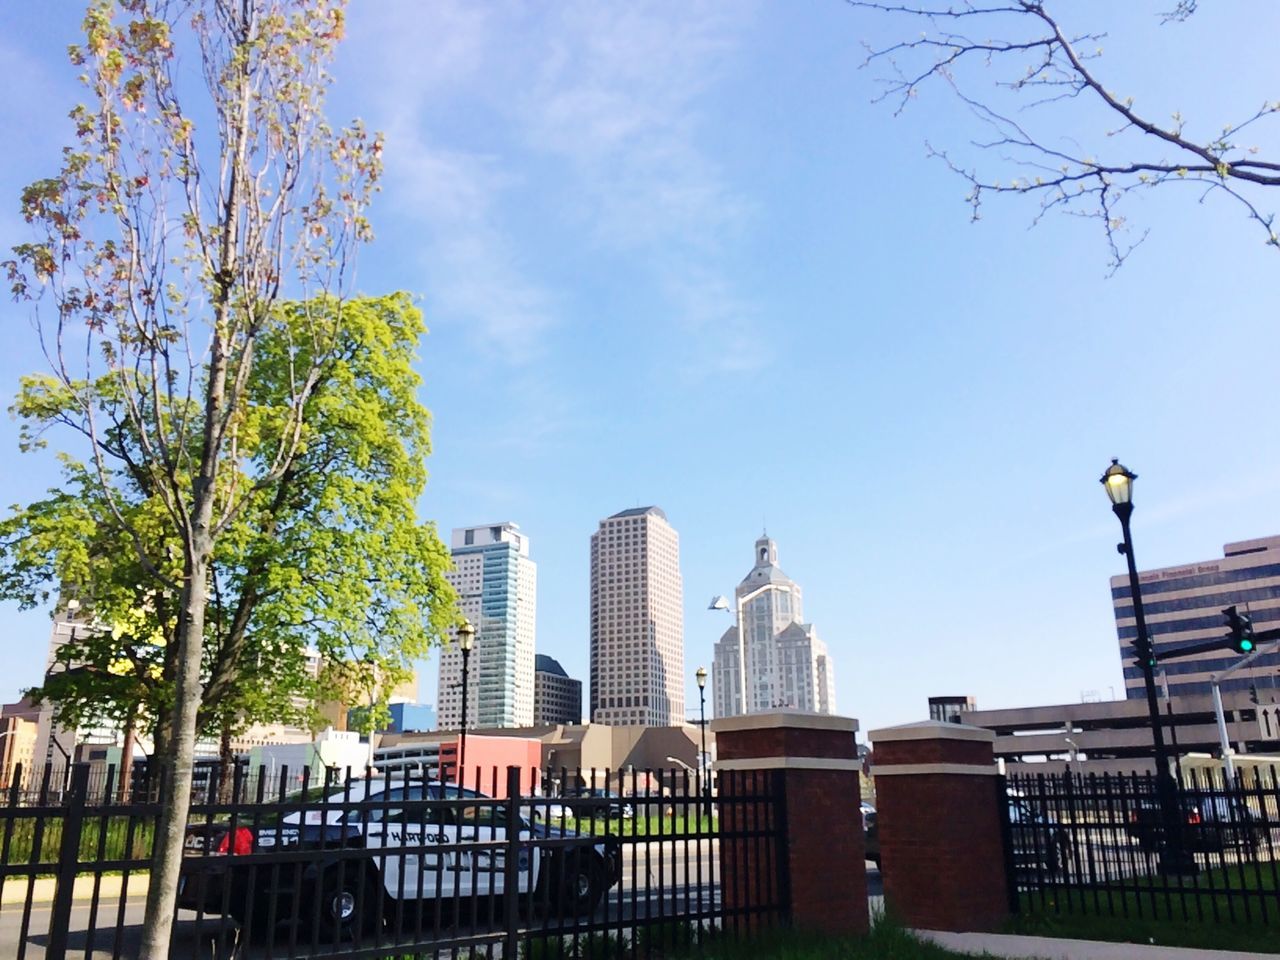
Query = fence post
x=801 y=771
x=68 y=862
x=511 y=866
x=1006 y=841
x=938 y=799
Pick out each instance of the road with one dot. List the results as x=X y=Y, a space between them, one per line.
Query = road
x=648 y=897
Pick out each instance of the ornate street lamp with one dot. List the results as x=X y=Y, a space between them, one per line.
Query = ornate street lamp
x=466 y=640
x=1117 y=480
x=704 y=785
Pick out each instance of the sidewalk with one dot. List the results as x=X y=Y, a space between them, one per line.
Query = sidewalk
x=15 y=889
x=1048 y=948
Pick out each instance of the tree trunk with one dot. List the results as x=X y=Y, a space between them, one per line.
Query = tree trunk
x=226 y=764
x=176 y=768
x=126 y=760
x=159 y=748
x=162 y=895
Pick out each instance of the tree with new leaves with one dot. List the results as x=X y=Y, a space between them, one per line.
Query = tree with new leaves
x=331 y=561
x=202 y=187
x=1054 y=128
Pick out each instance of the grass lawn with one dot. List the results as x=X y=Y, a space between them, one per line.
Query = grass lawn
x=674 y=827
x=674 y=941
x=29 y=842
x=1197 y=915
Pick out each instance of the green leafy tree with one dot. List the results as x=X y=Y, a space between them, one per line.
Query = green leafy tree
x=202 y=188
x=332 y=564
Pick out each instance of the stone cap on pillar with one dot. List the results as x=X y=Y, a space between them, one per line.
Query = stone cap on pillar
x=784 y=718
x=787 y=739
x=931 y=730
x=933 y=747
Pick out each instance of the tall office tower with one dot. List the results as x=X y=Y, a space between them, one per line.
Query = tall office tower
x=787 y=665
x=1184 y=605
x=497 y=591
x=637 y=621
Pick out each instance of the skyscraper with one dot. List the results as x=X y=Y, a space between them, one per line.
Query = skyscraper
x=637 y=620
x=787 y=665
x=497 y=591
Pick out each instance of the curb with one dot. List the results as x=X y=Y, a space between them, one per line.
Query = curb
x=1051 y=948
x=42 y=890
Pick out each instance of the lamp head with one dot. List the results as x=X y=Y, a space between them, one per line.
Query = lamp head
x=1118 y=481
x=466 y=636
x=701 y=674
x=718 y=603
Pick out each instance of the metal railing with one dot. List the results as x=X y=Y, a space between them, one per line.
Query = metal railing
x=391 y=864
x=1098 y=845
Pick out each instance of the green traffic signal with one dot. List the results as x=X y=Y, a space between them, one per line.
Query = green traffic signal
x=1241 y=627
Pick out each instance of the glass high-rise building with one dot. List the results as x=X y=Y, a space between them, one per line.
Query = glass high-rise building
x=787 y=665
x=497 y=591
x=1183 y=606
x=637 y=621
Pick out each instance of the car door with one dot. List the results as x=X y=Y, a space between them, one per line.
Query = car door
x=484 y=873
x=388 y=829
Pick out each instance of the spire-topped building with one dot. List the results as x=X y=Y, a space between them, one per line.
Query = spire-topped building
x=787 y=666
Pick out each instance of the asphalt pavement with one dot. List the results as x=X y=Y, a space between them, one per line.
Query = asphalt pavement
x=665 y=884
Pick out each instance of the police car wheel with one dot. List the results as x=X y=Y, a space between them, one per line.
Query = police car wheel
x=343 y=914
x=581 y=886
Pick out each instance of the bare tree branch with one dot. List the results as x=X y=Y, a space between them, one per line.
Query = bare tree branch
x=1031 y=65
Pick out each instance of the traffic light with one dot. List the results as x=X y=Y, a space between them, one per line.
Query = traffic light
x=1241 y=627
x=1143 y=653
x=1253 y=693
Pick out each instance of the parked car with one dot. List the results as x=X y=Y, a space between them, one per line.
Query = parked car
x=870 y=833
x=595 y=802
x=340 y=892
x=1038 y=841
x=1207 y=824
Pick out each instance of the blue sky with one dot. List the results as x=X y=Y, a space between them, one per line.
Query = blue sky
x=672 y=253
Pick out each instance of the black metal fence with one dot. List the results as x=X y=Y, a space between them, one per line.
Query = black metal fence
x=392 y=864
x=104 y=784
x=1100 y=845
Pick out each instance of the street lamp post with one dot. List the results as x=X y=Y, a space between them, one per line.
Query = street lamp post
x=466 y=640
x=1118 y=482
x=703 y=785
x=721 y=603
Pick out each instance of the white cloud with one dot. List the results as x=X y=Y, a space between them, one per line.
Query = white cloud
x=619 y=99
x=604 y=105
x=476 y=272
x=622 y=100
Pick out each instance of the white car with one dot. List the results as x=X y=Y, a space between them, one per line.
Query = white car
x=386 y=817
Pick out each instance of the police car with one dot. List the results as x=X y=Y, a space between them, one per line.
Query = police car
x=349 y=860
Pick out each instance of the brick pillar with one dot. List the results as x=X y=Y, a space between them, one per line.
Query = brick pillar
x=819 y=865
x=938 y=809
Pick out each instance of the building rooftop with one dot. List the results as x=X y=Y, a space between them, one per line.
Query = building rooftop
x=544 y=664
x=638 y=512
